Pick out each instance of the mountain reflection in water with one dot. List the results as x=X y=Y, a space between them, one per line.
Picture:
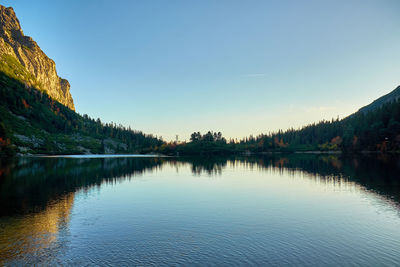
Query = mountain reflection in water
x=37 y=194
x=30 y=184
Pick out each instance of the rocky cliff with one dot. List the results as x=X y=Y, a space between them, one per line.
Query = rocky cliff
x=22 y=59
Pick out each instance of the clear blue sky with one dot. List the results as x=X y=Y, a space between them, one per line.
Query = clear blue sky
x=239 y=67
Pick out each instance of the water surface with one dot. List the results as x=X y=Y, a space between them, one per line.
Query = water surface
x=275 y=210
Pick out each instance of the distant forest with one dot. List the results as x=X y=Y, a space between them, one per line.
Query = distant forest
x=33 y=123
x=372 y=130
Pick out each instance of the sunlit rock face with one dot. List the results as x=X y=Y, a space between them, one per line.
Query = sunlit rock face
x=24 y=58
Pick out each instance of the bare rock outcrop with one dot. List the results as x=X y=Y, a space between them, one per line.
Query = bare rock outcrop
x=23 y=58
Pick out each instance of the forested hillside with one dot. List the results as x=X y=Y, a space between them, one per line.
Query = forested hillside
x=32 y=122
x=375 y=127
x=37 y=110
x=374 y=130
x=37 y=117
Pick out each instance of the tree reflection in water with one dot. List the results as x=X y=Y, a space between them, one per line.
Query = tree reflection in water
x=37 y=194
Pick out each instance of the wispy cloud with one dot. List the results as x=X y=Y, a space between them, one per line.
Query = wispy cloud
x=319 y=109
x=255 y=75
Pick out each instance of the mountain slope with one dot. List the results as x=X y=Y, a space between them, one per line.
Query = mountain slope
x=33 y=123
x=22 y=59
x=37 y=111
x=391 y=97
x=375 y=128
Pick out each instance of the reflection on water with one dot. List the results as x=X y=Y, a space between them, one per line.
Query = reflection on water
x=29 y=184
x=37 y=196
x=36 y=232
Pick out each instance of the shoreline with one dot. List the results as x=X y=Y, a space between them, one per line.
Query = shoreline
x=246 y=153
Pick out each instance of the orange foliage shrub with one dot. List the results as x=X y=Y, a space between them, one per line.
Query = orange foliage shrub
x=26 y=105
x=336 y=140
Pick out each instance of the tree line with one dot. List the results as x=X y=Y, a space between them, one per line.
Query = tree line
x=377 y=129
x=374 y=130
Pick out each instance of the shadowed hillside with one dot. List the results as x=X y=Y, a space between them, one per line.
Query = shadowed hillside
x=32 y=122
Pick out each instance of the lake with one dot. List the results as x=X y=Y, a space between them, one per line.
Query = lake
x=296 y=210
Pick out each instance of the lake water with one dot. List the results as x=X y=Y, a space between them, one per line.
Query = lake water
x=298 y=210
